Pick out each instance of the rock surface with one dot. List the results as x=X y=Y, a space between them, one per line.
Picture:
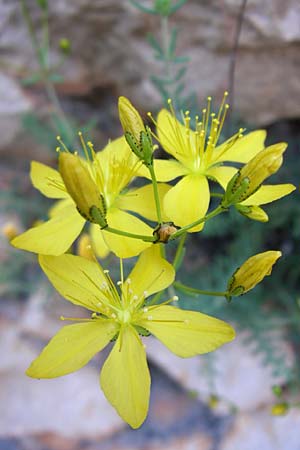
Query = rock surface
x=110 y=53
x=232 y=382
x=262 y=431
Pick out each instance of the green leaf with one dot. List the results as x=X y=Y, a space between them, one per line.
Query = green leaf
x=154 y=44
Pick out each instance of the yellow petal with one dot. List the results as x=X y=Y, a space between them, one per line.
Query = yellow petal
x=221 y=174
x=186 y=333
x=188 y=201
x=59 y=206
x=165 y=170
x=269 y=193
x=72 y=348
x=174 y=138
x=125 y=378
x=152 y=273
x=53 y=237
x=98 y=243
x=122 y=246
x=47 y=180
x=141 y=200
x=77 y=279
x=243 y=150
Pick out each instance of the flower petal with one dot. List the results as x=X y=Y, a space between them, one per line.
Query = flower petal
x=99 y=245
x=221 y=174
x=59 y=206
x=53 y=237
x=165 y=170
x=243 y=150
x=125 y=378
x=142 y=201
x=122 y=246
x=186 y=333
x=188 y=201
x=174 y=138
x=47 y=180
x=152 y=273
x=75 y=278
x=269 y=193
x=72 y=348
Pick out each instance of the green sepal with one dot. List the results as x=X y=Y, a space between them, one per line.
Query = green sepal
x=134 y=145
x=235 y=194
x=147 y=147
x=98 y=217
x=237 y=291
x=142 y=331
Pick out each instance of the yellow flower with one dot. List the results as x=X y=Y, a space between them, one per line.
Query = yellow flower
x=198 y=157
x=252 y=272
x=122 y=314
x=111 y=171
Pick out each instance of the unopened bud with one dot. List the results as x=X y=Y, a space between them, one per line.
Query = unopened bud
x=252 y=272
x=82 y=188
x=250 y=177
x=280 y=409
x=137 y=135
x=65 y=45
x=253 y=212
x=84 y=248
x=9 y=230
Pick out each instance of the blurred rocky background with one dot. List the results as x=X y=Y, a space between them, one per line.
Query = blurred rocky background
x=110 y=56
x=222 y=402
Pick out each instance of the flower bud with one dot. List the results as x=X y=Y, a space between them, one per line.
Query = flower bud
x=65 y=45
x=9 y=230
x=280 y=409
x=249 y=178
x=138 y=136
x=82 y=188
x=252 y=272
x=253 y=212
x=84 y=248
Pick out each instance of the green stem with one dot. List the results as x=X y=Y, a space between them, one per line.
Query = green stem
x=183 y=230
x=43 y=61
x=184 y=288
x=165 y=43
x=156 y=195
x=31 y=31
x=215 y=194
x=176 y=264
x=130 y=235
x=179 y=252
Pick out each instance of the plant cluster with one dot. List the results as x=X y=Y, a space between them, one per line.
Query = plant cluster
x=94 y=191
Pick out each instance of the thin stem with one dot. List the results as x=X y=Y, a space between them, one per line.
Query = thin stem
x=179 y=252
x=183 y=230
x=43 y=61
x=130 y=235
x=233 y=55
x=156 y=195
x=165 y=43
x=31 y=31
x=215 y=194
x=184 y=288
